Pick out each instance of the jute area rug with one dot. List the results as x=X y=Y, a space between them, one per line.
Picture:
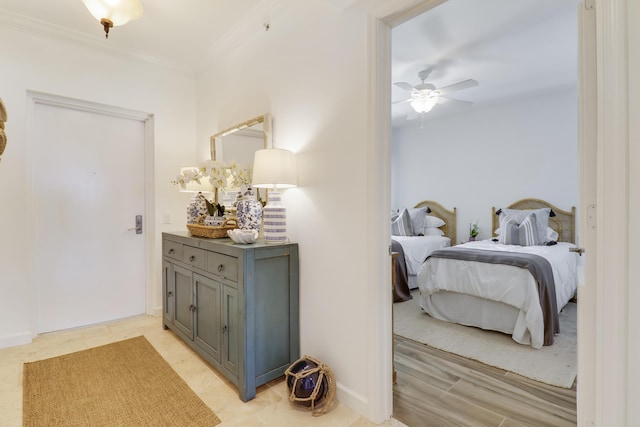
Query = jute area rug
x=126 y=383
x=555 y=365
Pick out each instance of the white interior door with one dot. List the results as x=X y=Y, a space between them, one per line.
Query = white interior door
x=89 y=184
x=587 y=293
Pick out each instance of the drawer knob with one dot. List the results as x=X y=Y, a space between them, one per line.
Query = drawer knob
x=192 y=258
x=169 y=293
x=171 y=251
x=220 y=268
x=224 y=329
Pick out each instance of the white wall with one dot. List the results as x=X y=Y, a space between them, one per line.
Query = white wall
x=34 y=63
x=490 y=156
x=310 y=71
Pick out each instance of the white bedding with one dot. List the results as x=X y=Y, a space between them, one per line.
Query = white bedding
x=442 y=283
x=417 y=249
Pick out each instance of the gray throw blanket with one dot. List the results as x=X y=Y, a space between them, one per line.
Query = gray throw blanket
x=539 y=268
x=401 y=291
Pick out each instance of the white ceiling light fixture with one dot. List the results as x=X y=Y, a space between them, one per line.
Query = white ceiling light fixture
x=112 y=13
x=423 y=103
x=425 y=96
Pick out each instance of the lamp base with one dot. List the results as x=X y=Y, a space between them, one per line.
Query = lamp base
x=274 y=218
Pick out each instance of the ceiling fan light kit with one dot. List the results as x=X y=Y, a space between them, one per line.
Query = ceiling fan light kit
x=425 y=96
x=423 y=104
x=113 y=13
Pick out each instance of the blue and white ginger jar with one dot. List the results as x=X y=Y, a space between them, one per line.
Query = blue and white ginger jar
x=249 y=212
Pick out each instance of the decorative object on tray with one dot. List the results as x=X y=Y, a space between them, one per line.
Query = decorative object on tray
x=212 y=232
x=249 y=211
x=274 y=168
x=214 y=221
x=474 y=230
x=243 y=236
x=3 y=136
x=312 y=384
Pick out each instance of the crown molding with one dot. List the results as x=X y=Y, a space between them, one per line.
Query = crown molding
x=48 y=30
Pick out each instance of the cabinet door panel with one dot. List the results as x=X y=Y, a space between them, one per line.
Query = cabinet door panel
x=183 y=300
x=272 y=315
x=208 y=315
x=230 y=339
x=167 y=294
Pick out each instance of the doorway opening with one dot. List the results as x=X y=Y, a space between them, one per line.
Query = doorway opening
x=392 y=21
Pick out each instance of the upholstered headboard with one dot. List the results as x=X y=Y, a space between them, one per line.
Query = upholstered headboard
x=448 y=216
x=564 y=222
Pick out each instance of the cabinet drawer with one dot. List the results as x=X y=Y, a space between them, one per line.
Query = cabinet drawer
x=222 y=265
x=193 y=256
x=172 y=249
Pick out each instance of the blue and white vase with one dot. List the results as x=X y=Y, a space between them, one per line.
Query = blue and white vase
x=197 y=208
x=249 y=212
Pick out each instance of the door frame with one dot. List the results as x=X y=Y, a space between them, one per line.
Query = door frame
x=608 y=397
x=35 y=98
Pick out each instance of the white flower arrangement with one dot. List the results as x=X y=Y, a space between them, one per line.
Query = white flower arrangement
x=223 y=176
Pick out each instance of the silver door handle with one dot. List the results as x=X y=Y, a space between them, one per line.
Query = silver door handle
x=138 y=228
x=579 y=251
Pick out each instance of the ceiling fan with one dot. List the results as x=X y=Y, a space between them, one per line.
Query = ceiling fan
x=425 y=96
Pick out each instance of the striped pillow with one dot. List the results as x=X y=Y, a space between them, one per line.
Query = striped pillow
x=542 y=219
x=401 y=226
x=523 y=234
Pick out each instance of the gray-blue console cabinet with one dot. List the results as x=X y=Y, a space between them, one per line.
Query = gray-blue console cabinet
x=235 y=305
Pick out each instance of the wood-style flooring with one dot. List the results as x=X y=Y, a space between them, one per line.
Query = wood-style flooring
x=436 y=388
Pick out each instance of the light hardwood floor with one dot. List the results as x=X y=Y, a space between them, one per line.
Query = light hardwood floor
x=437 y=389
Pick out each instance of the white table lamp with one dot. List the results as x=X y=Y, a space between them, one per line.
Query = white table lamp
x=274 y=168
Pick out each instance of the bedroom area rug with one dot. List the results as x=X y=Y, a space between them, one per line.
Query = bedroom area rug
x=555 y=365
x=126 y=383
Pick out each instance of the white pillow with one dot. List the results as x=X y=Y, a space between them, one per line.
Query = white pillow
x=433 y=231
x=417 y=219
x=552 y=235
x=401 y=226
x=431 y=221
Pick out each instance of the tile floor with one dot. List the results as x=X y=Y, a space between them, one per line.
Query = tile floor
x=271 y=407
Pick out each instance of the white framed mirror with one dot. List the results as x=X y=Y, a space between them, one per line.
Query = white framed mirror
x=239 y=143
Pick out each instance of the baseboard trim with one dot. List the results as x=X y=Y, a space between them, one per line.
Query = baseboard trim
x=15 y=340
x=352 y=400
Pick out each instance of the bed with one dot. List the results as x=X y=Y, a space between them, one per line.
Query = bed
x=491 y=288
x=413 y=249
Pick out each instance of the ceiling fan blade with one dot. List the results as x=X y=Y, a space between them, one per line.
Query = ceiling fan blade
x=401 y=101
x=465 y=84
x=404 y=85
x=445 y=100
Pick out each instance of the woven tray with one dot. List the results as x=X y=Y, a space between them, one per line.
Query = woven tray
x=212 y=232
